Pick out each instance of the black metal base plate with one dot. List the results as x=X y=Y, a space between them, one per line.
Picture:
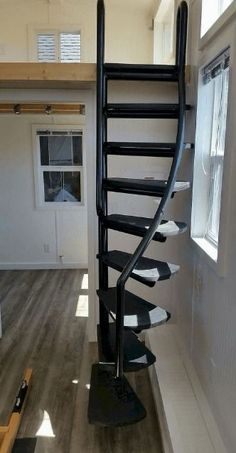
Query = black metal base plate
x=112 y=402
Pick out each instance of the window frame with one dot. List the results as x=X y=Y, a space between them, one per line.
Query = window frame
x=215 y=160
x=211 y=48
x=39 y=170
x=217 y=27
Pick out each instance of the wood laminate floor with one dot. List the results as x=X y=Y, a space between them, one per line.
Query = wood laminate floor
x=41 y=330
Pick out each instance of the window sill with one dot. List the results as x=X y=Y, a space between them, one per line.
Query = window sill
x=207 y=247
x=60 y=207
x=210 y=255
x=217 y=27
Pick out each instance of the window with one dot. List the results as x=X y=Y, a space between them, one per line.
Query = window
x=210 y=149
x=211 y=11
x=164 y=39
x=60 y=167
x=62 y=46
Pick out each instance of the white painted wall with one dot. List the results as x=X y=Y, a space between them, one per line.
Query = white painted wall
x=128 y=27
x=206 y=308
x=26 y=229
x=23 y=229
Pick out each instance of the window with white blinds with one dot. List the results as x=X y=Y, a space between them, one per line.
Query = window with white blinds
x=46 y=46
x=70 y=46
x=58 y=46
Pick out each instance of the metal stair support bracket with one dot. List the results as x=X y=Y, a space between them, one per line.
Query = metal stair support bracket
x=102 y=173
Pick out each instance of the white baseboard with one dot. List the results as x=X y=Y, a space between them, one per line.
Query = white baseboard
x=32 y=266
x=186 y=420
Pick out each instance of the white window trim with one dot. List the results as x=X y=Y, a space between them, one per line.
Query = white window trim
x=34 y=29
x=225 y=19
x=40 y=204
x=226 y=38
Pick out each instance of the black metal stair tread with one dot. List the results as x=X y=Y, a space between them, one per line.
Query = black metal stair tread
x=142 y=110
x=152 y=187
x=136 y=355
x=147 y=271
x=121 y=71
x=140 y=149
x=112 y=402
x=139 y=314
x=138 y=226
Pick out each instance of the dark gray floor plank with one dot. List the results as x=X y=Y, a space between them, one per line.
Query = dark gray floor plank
x=40 y=330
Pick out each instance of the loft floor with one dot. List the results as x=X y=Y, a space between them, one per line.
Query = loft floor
x=47 y=75
x=28 y=75
x=41 y=331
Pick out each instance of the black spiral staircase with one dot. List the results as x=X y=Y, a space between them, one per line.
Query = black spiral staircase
x=112 y=401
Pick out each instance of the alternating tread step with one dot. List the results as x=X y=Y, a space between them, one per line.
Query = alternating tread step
x=147 y=270
x=164 y=111
x=139 y=314
x=136 y=355
x=112 y=402
x=138 y=226
x=140 y=149
x=150 y=187
x=119 y=71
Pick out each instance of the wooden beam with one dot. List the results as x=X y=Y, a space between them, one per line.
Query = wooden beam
x=8 y=433
x=84 y=72
x=46 y=75
x=51 y=75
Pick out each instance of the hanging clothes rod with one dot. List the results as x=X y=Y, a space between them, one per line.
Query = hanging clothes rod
x=42 y=108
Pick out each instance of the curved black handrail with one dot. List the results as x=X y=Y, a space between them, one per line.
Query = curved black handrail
x=181 y=40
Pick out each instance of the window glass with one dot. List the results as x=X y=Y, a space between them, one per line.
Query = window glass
x=211 y=11
x=62 y=149
x=62 y=46
x=62 y=186
x=70 y=46
x=46 y=47
x=210 y=148
x=217 y=150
